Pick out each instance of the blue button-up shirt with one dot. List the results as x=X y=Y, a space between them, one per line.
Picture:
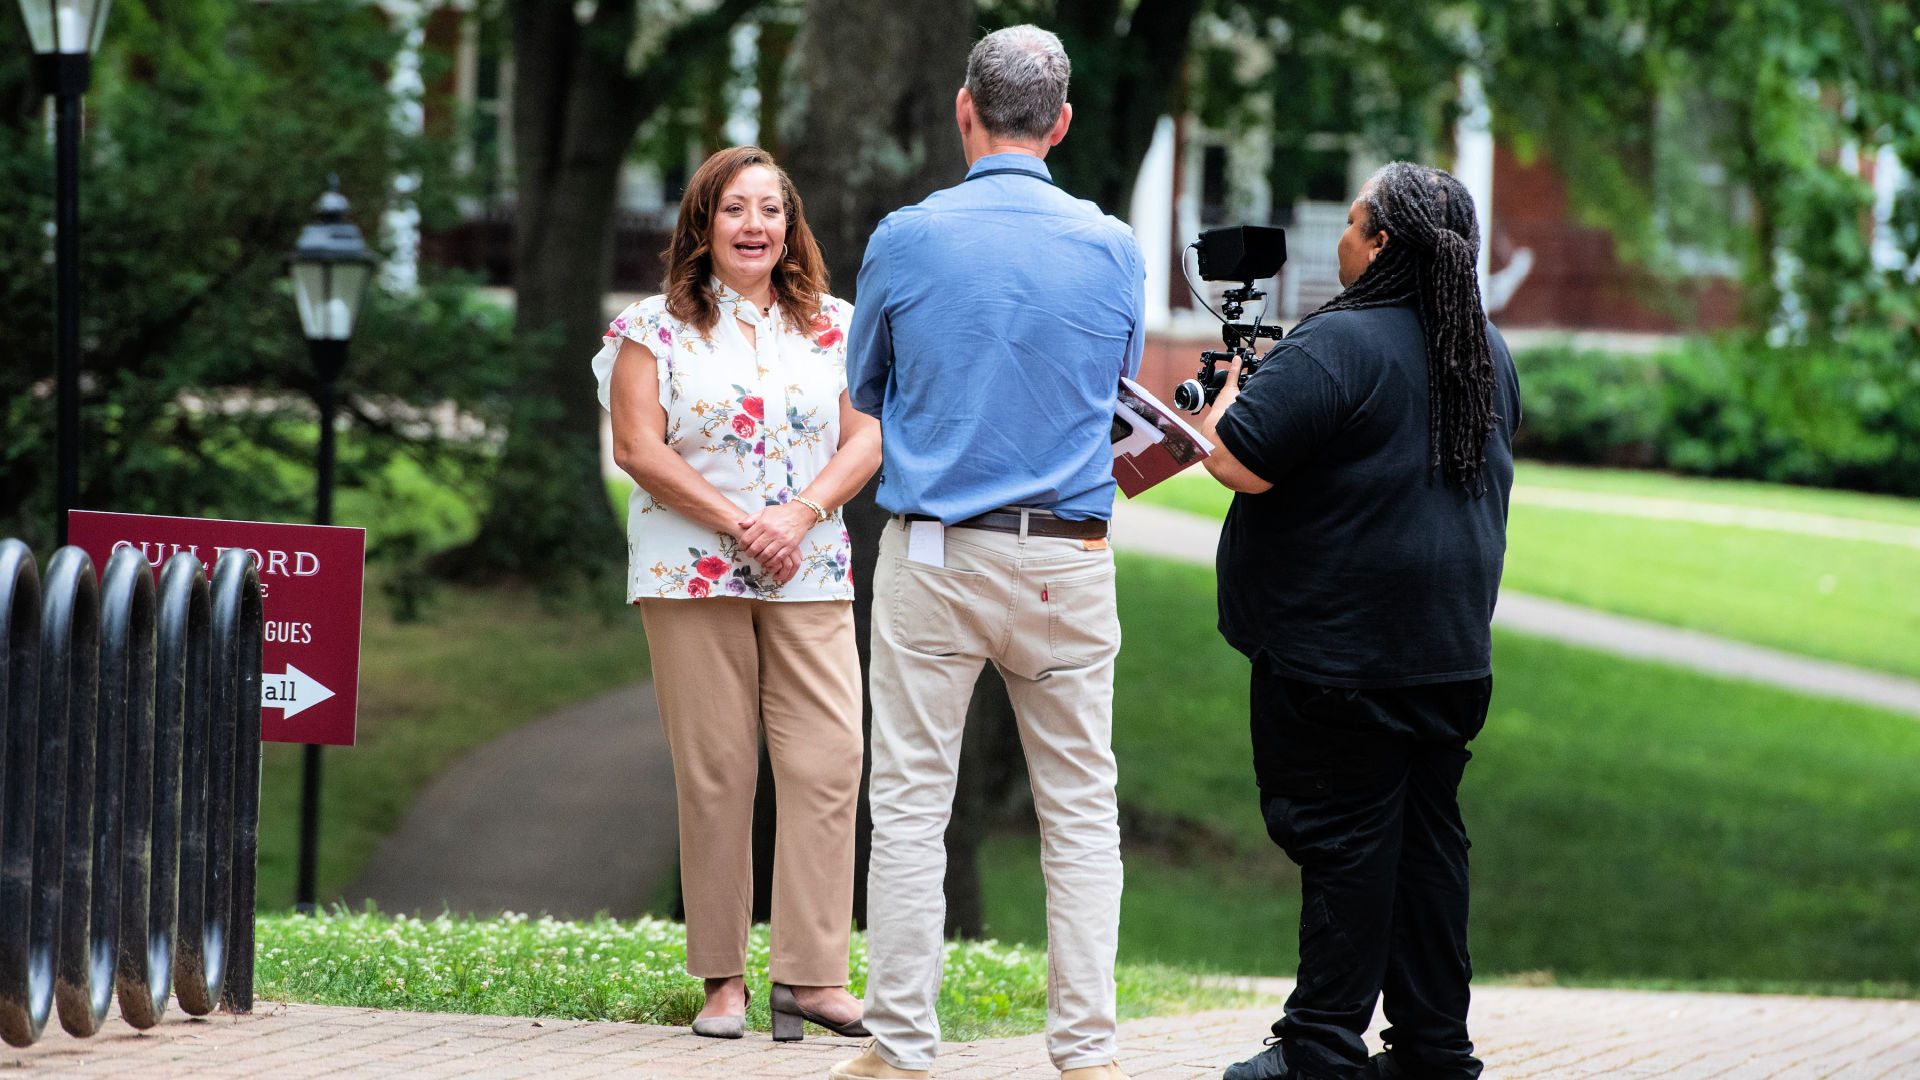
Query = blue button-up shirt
x=993 y=323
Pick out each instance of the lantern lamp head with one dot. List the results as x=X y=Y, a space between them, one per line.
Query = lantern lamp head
x=65 y=27
x=330 y=267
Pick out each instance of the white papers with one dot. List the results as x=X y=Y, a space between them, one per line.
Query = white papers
x=927 y=542
x=1167 y=418
x=1144 y=433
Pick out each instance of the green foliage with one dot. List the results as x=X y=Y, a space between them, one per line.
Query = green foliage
x=212 y=128
x=1299 y=72
x=636 y=972
x=1773 y=90
x=1844 y=415
x=1589 y=407
x=1629 y=820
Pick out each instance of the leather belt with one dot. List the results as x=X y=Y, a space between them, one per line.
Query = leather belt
x=1039 y=523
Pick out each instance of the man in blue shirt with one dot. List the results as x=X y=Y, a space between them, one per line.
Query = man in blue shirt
x=993 y=324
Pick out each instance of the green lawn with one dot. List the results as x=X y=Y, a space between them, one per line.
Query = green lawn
x=482 y=663
x=1631 y=822
x=1853 y=601
x=636 y=972
x=1195 y=491
x=1889 y=509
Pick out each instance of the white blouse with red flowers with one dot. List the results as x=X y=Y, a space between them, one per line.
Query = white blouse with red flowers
x=759 y=422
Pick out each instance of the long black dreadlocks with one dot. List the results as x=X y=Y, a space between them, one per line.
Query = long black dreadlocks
x=1433 y=244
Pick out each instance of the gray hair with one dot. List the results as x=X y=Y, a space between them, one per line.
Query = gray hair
x=1018 y=80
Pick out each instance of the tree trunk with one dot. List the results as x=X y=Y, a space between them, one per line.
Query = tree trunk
x=874 y=136
x=576 y=108
x=1122 y=85
x=877 y=133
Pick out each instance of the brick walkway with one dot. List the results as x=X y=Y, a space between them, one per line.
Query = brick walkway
x=1524 y=1034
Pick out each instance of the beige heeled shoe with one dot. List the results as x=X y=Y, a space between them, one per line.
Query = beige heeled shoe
x=724 y=1027
x=790 y=1018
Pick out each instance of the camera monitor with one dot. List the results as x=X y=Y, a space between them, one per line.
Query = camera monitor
x=1241 y=252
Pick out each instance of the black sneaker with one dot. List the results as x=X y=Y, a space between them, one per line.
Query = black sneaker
x=1268 y=1064
x=1380 y=1067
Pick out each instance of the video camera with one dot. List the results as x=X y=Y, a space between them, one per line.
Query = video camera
x=1243 y=253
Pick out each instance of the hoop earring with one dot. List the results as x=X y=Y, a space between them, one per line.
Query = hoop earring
x=783 y=250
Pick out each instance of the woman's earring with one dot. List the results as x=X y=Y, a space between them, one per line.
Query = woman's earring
x=783 y=250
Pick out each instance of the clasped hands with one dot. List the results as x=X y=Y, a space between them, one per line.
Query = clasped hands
x=772 y=538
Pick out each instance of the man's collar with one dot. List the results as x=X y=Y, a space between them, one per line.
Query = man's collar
x=1023 y=162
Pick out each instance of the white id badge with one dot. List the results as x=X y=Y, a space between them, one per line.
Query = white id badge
x=927 y=542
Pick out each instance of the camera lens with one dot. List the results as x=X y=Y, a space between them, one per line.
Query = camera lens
x=1189 y=396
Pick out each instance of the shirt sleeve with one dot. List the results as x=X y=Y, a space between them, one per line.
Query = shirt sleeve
x=869 y=338
x=1137 y=341
x=1291 y=407
x=643 y=327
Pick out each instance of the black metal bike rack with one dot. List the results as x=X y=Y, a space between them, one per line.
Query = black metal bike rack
x=129 y=788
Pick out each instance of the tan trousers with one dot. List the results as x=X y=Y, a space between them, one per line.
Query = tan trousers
x=1041 y=609
x=725 y=670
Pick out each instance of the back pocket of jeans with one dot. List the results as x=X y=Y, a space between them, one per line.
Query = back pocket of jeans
x=933 y=607
x=1082 y=625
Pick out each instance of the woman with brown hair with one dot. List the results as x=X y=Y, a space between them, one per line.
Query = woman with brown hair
x=730 y=411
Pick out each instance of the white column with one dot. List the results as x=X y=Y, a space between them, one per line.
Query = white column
x=1151 y=216
x=400 y=225
x=1473 y=162
x=743 y=91
x=1888 y=178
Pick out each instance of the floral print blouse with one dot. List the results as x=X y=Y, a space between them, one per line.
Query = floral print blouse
x=759 y=422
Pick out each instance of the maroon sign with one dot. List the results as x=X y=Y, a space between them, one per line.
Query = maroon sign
x=310 y=587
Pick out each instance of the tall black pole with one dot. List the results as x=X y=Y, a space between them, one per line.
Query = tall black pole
x=329 y=357
x=323 y=496
x=69 y=75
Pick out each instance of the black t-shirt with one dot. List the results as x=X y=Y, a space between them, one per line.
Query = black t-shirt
x=1361 y=567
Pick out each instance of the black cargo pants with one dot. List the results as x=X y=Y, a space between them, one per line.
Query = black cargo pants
x=1359 y=788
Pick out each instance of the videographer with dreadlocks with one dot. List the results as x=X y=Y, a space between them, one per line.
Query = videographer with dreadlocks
x=1358 y=566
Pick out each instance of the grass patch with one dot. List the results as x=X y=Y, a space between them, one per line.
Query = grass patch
x=1631 y=822
x=1234 y=915
x=1831 y=502
x=1846 y=600
x=1196 y=492
x=635 y=972
x=480 y=664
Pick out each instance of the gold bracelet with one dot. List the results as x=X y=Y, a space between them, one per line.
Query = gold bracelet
x=820 y=515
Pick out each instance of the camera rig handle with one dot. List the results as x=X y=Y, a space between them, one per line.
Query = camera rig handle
x=1236 y=334
x=1240 y=340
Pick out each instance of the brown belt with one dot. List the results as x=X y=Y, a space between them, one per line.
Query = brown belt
x=1039 y=523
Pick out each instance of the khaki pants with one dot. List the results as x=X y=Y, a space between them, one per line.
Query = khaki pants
x=1042 y=610
x=726 y=670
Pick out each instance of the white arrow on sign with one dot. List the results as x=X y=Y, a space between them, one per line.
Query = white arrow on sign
x=296 y=691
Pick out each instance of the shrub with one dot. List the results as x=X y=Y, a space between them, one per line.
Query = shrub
x=1846 y=414
x=1590 y=407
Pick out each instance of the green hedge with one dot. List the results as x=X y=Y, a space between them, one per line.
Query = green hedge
x=1846 y=415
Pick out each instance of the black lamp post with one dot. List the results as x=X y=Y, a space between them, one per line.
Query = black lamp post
x=64 y=34
x=330 y=270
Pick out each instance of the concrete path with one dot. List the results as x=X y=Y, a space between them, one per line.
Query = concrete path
x=570 y=815
x=1173 y=534
x=1522 y=1034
